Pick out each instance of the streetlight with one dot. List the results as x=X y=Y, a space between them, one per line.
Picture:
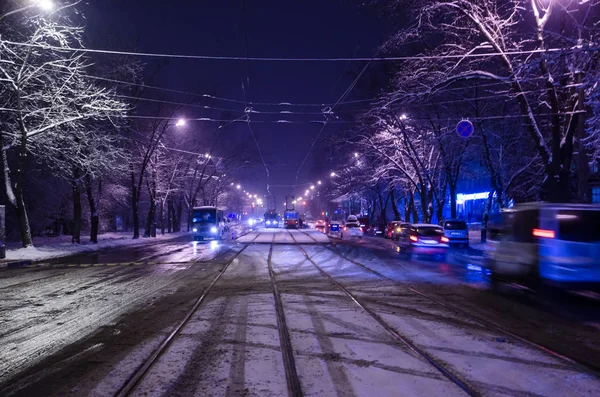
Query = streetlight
x=318 y=182
x=312 y=187
x=180 y=123
x=404 y=116
x=306 y=192
x=333 y=174
x=45 y=5
x=355 y=154
x=238 y=187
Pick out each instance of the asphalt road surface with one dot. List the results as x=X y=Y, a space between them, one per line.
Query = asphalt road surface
x=285 y=312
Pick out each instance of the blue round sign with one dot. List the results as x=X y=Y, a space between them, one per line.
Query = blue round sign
x=464 y=129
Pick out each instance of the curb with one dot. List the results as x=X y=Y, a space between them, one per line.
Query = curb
x=16 y=264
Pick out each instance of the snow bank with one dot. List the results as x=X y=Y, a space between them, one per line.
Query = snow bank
x=55 y=247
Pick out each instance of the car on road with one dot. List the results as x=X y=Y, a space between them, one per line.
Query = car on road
x=389 y=230
x=457 y=232
x=394 y=228
x=335 y=229
x=547 y=245
x=423 y=239
x=321 y=225
x=353 y=229
x=377 y=230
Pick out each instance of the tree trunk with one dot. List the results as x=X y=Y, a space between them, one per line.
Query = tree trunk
x=162 y=217
x=150 y=218
x=135 y=201
x=452 y=188
x=19 y=195
x=76 y=187
x=94 y=216
x=394 y=205
x=170 y=214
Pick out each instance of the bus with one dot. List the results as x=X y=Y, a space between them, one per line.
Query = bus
x=291 y=219
x=271 y=219
x=208 y=223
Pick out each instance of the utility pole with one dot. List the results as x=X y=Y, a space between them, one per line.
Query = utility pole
x=582 y=161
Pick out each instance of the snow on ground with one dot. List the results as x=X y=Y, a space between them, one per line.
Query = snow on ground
x=55 y=247
x=231 y=344
x=339 y=350
x=58 y=307
x=489 y=361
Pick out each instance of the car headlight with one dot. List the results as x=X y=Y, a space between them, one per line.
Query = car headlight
x=213 y=229
x=398 y=230
x=268 y=222
x=194 y=230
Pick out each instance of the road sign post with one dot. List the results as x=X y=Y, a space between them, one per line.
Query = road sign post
x=465 y=129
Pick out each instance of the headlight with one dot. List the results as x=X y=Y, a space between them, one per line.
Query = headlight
x=251 y=222
x=213 y=229
x=398 y=229
x=268 y=222
x=194 y=230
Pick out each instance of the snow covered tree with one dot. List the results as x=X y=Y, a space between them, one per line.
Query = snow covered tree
x=46 y=95
x=535 y=53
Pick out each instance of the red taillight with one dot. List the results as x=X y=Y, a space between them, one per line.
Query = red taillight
x=414 y=238
x=445 y=239
x=544 y=233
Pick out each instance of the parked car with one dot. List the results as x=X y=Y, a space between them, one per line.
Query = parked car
x=544 y=245
x=423 y=239
x=457 y=232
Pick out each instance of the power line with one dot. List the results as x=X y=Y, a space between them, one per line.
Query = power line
x=280 y=59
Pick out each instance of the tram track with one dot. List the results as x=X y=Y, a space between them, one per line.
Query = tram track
x=287 y=352
x=586 y=366
x=130 y=385
x=437 y=364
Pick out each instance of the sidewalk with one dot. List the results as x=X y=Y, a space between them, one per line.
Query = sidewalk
x=46 y=248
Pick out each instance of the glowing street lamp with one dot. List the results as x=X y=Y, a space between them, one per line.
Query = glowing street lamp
x=180 y=123
x=46 y=5
x=404 y=116
x=312 y=187
x=238 y=187
x=318 y=182
x=355 y=154
x=333 y=174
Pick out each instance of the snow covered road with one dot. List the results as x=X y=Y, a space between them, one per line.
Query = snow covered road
x=86 y=331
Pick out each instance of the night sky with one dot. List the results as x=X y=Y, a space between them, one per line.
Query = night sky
x=310 y=28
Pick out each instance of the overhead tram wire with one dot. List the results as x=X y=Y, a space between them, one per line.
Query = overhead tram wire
x=344 y=95
x=248 y=110
x=289 y=104
x=281 y=59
